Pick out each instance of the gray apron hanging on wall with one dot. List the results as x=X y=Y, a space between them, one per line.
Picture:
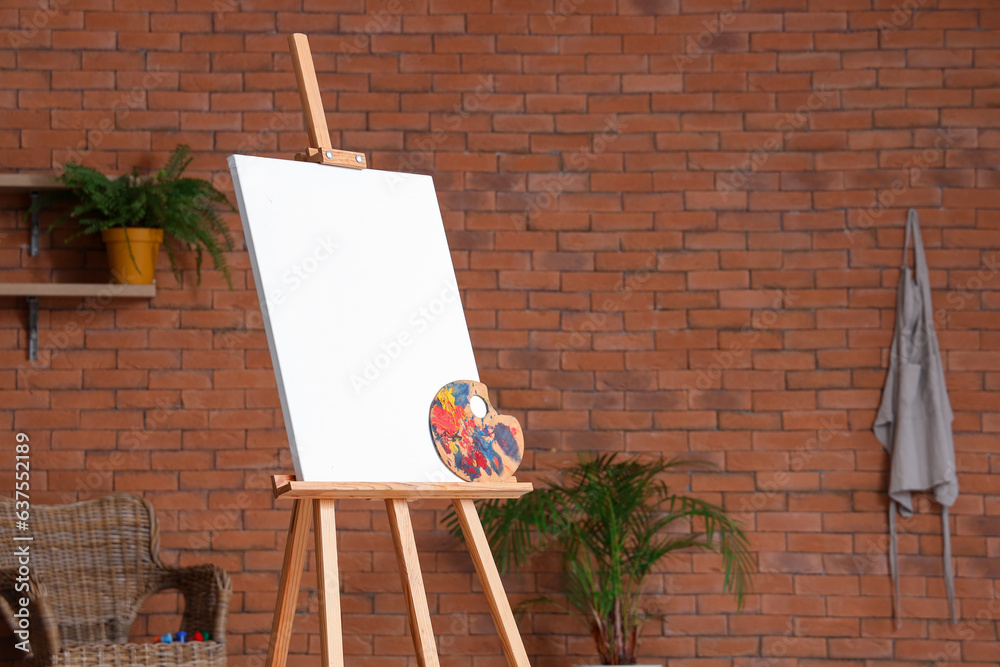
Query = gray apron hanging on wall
x=914 y=420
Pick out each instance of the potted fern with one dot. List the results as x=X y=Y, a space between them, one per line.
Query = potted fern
x=613 y=519
x=133 y=213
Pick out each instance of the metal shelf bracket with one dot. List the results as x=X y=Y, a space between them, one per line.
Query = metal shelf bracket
x=32 y=328
x=36 y=225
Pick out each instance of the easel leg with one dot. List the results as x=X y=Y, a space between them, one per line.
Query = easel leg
x=413 y=582
x=330 y=632
x=489 y=577
x=288 y=586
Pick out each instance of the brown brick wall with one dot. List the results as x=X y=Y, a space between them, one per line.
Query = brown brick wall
x=677 y=226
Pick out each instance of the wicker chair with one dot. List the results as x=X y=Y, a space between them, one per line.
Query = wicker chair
x=92 y=566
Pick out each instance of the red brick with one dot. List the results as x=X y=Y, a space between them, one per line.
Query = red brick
x=759 y=324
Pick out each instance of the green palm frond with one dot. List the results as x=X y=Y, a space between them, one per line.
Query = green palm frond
x=614 y=519
x=186 y=209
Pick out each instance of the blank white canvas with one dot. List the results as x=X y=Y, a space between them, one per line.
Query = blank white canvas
x=361 y=310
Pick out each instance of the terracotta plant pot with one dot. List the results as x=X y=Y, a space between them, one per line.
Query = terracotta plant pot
x=137 y=267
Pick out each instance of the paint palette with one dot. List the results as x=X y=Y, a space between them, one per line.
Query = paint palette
x=479 y=448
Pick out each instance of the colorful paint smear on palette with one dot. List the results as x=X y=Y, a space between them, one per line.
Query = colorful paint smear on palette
x=487 y=448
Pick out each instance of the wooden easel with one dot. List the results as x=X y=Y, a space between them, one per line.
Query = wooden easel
x=314 y=501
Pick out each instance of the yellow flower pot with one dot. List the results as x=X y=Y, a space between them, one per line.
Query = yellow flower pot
x=137 y=267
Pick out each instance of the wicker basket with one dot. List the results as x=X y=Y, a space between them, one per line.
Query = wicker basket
x=92 y=566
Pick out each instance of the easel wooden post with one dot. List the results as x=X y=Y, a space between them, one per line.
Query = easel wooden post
x=314 y=501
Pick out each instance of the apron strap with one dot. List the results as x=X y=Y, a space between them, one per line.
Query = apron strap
x=911 y=221
x=920 y=270
x=949 y=575
x=894 y=564
x=895 y=353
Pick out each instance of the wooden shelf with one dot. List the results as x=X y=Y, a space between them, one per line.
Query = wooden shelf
x=33 y=291
x=34 y=185
x=78 y=290
x=28 y=182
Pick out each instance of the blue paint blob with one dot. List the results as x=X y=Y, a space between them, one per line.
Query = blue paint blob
x=461 y=392
x=508 y=443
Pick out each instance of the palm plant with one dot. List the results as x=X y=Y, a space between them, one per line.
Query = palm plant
x=183 y=207
x=613 y=519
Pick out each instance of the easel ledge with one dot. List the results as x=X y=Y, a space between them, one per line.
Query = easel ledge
x=286 y=486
